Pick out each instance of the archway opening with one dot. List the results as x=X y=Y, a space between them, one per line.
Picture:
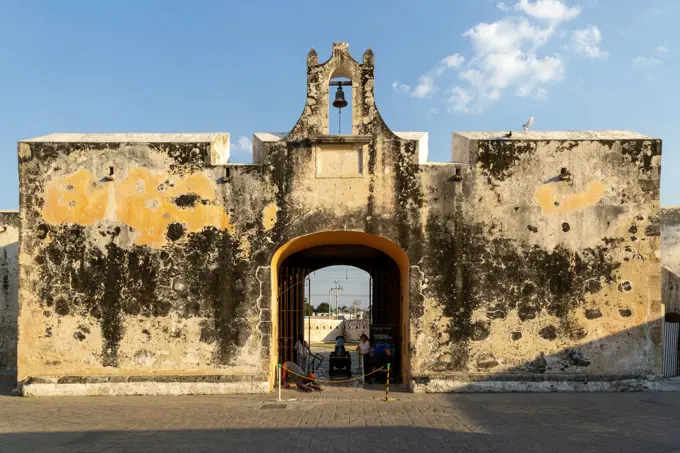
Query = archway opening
x=385 y=263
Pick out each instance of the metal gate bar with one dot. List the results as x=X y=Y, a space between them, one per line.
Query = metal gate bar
x=291 y=293
x=670 y=355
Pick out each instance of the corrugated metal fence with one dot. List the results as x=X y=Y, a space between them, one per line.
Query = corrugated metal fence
x=670 y=359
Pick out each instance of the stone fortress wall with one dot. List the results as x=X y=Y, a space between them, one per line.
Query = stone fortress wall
x=145 y=261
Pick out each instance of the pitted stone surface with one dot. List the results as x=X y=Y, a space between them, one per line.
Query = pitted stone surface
x=343 y=421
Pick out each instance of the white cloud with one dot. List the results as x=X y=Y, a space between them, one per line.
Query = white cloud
x=426 y=83
x=662 y=49
x=452 y=61
x=505 y=57
x=587 y=43
x=551 y=10
x=400 y=87
x=509 y=55
x=425 y=87
x=432 y=113
x=243 y=145
x=645 y=62
x=460 y=101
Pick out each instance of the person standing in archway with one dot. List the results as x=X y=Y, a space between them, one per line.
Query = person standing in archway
x=364 y=349
x=303 y=352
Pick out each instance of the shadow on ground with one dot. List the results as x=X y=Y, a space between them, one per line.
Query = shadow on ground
x=526 y=423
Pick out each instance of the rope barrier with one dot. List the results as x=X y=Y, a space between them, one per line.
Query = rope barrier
x=330 y=382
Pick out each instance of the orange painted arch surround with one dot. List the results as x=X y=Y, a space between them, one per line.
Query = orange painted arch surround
x=341 y=237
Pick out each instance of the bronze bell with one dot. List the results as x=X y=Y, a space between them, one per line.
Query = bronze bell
x=339 y=101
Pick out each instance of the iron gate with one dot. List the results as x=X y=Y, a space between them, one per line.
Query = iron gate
x=291 y=299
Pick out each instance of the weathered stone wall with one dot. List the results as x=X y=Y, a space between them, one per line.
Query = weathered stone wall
x=326 y=330
x=140 y=256
x=9 y=282
x=323 y=330
x=527 y=272
x=137 y=258
x=670 y=258
x=670 y=239
x=354 y=328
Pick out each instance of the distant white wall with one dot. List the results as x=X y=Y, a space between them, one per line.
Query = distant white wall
x=9 y=291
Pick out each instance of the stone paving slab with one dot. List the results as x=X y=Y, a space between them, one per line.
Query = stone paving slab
x=345 y=420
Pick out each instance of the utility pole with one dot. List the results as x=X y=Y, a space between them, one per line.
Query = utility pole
x=337 y=288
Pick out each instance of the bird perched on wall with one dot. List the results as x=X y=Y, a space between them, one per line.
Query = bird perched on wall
x=508 y=135
x=528 y=124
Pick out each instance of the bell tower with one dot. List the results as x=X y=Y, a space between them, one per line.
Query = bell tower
x=338 y=73
x=321 y=78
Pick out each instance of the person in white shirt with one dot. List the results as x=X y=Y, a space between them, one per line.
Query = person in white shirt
x=303 y=351
x=364 y=349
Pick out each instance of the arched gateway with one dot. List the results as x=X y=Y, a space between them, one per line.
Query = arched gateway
x=382 y=259
x=151 y=265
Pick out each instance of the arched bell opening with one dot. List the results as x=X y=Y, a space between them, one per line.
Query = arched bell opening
x=340 y=117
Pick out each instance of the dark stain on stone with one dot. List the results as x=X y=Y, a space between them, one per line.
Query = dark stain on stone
x=208 y=334
x=42 y=231
x=61 y=307
x=175 y=231
x=486 y=361
x=548 y=333
x=641 y=153
x=497 y=157
x=653 y=227
x=573 y=358
x=625 y=312
x=593 y=313
x=188 y=200
x=538 y=365
x=409 y=198
x=516 y=335
x=625 y=286
x=80 y=336
x=632 y=229
x=466 y=268
x=532 y=228
x=48 y=332
x=106 y=286
x=495 y=313
x=565 y=227
x=593 y=286
x=480 y=331
x=526 y=311
x=193 y=309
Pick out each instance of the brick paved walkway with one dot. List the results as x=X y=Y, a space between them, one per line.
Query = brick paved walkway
x=344 y=420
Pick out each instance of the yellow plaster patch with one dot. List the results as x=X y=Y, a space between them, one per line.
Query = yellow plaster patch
x=547 y=196
x=138 y=203
x=269 y=216
x=75 y=198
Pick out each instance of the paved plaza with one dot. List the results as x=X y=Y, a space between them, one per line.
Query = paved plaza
x=344 y=420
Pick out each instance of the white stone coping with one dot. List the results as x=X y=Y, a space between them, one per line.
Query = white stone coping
x=207 y=137
x=556 y=135
x=145 y=388
x=519 y=386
